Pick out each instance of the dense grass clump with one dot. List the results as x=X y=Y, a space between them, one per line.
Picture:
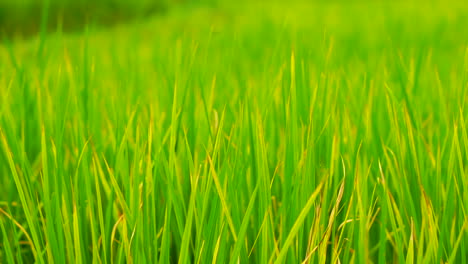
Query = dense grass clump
x=247 y=133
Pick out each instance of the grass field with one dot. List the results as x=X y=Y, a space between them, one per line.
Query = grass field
x=240 y=133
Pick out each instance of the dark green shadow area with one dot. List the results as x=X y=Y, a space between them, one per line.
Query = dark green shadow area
x=27 y=18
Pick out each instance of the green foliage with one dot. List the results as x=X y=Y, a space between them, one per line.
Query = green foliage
x=25 y=18
x=255 y=132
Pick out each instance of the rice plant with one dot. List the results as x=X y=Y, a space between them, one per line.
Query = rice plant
x=247 y=132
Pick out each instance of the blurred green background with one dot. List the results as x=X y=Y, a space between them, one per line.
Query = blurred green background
x=23 y=18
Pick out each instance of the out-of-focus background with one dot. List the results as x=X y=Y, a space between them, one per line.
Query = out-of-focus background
x=25 y=18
